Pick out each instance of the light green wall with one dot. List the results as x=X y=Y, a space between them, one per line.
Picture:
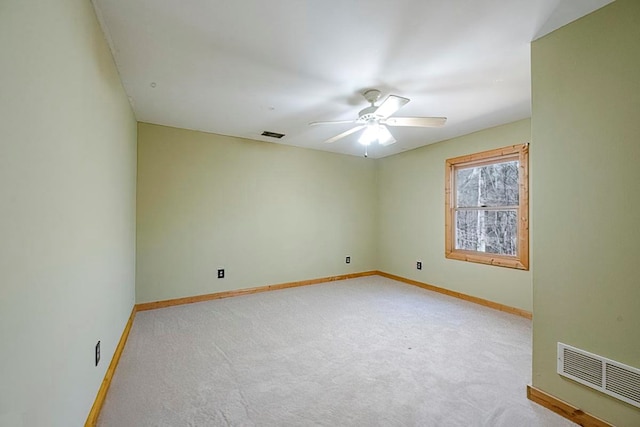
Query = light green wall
x=67 y=208
x=266 y=213
x=411 y=219
x=585 y=157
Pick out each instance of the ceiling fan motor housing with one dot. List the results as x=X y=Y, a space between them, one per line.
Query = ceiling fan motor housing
x=368 y=114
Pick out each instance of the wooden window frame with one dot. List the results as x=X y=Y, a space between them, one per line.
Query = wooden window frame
x=519 y=152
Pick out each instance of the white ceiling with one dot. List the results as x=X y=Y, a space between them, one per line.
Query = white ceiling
x=239 y=67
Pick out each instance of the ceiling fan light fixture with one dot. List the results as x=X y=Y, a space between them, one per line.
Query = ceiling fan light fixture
x=369 y=135
x=384 y=136
x=375 y=132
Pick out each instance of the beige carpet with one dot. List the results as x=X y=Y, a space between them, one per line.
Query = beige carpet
x=361 y=352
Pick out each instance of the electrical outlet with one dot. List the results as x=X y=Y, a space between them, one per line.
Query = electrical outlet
x=221 y=273
x=97 y=353
x=419 y=265
x=348 y=260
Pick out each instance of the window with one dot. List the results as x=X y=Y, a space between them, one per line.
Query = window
x=487 y=207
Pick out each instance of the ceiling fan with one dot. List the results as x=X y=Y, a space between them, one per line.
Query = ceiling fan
x=374 y=120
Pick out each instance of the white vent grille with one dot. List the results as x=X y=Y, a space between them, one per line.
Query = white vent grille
x=608 y=376
x=623 y=382
x=584 y=367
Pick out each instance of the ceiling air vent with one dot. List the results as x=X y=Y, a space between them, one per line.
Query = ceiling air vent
x=605 y=375
x=272 y=134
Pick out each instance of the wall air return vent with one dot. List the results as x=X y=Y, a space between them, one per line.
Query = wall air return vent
x=605 y=375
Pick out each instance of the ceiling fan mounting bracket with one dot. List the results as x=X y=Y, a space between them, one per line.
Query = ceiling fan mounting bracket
x=371 y=95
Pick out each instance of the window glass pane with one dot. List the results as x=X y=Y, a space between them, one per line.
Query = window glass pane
x=492 y=185
x=494 y=231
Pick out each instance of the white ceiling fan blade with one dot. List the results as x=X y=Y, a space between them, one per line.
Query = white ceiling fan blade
x=427 y=122
x=334 y=122
x=390 y=105
x=384 y=136
x=343 y=134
